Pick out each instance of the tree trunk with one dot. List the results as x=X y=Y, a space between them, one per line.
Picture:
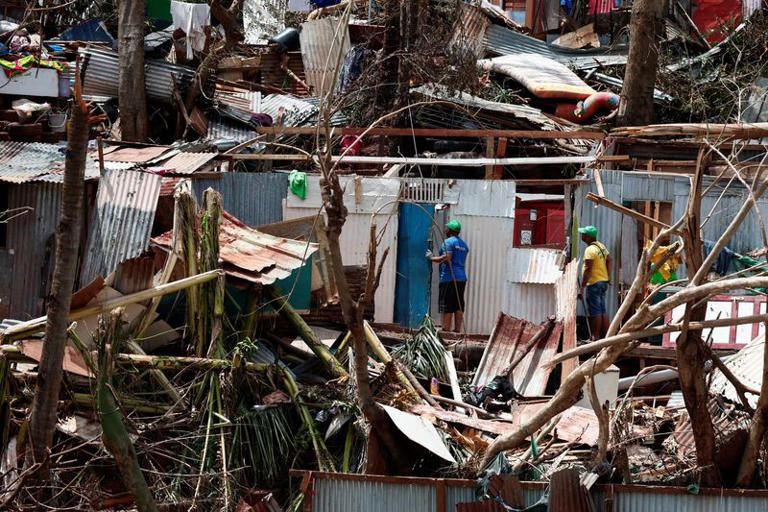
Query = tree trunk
x=336 y=211
x=131 y=92
x=43 y=418
x=280 y=303
x=756 y=430
x=636 y=106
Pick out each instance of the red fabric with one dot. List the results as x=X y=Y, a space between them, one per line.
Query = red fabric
x=711 y=16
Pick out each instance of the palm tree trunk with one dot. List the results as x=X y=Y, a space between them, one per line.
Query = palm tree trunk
x=131 y=93
x=43 y=419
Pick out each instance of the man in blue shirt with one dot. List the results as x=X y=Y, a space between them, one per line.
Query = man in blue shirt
x=453 y=277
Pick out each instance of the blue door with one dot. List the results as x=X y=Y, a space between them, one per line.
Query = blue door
x=412 y=285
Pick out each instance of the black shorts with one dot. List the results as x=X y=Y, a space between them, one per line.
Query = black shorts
x=452 y=296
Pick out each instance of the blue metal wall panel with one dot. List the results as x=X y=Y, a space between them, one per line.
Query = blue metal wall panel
x=412 y=284
x=254 y=198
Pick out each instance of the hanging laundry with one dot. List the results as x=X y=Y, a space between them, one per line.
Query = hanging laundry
x=191 y=18
x=297 y=181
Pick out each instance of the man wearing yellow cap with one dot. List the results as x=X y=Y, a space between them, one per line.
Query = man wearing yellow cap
x=595 y=277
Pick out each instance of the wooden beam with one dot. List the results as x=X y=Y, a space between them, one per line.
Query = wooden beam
x=490 y=152
x=454 y=162
x=501 y=151
x=598 y=182
x=626 y=211
x=436 y=132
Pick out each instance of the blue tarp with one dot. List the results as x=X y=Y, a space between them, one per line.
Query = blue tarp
x=91 y=30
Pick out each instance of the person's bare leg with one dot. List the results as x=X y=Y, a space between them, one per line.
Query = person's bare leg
x=447 y=321
x=595 y=323
x=459 y=315
x=604 y=324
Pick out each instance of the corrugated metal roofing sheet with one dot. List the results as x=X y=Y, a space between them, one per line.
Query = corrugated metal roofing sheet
x=469 y=101
x=747 y=366
x=125 y=210
x=255 y=198
x=187 y=163
x=534 y=302
x=503 y=41
x=296 y=112
x=370 y=493
x=223 y=129
x=534 y=266
x=22 y=162
x=127 y=154
x=100 y=75
x=323 y=43
x=254 y=256
x=31 y=237
x=470 y=29
x=509 y=336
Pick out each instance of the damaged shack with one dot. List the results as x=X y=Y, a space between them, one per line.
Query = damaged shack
x=325 y=255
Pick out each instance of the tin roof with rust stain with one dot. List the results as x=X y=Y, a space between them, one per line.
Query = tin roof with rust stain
x=508 y=338
x=253 y=256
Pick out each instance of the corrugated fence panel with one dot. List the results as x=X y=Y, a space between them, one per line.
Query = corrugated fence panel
x=372 y=496
x=375 y=494
x=532 y=302
x=28 y=237
x=254 y=198
x=490 y=241
x=455 y=495
x=321 y=42
x=657 y=502
x=125 y=210
x=373 y=195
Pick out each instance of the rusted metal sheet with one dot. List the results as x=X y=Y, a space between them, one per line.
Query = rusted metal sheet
x=125 y=210
x=187 y=163
x=31 y=237
x=509 y=337
x=470 y=30
x=578 y=425
x=566 y=494
x=133 y=154
x=22 y=162
x=565 y=305
x=539 y=266
x=322 y=41
x=253 y=256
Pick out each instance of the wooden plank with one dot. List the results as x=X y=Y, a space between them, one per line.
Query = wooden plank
x=501 y=151
x=454 y=162
x=490 y=151
x=627 y=211
x=436 y=132
x=598 y=182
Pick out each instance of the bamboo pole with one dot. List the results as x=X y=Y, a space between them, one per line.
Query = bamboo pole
x=114 y=434
x=171 y=363
x=38 y=324
x=305 y=332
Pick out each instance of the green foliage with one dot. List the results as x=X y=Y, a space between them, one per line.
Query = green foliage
x=265 y=443
x=424 y=353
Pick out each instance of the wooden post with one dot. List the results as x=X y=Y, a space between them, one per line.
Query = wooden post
x=490 y=151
